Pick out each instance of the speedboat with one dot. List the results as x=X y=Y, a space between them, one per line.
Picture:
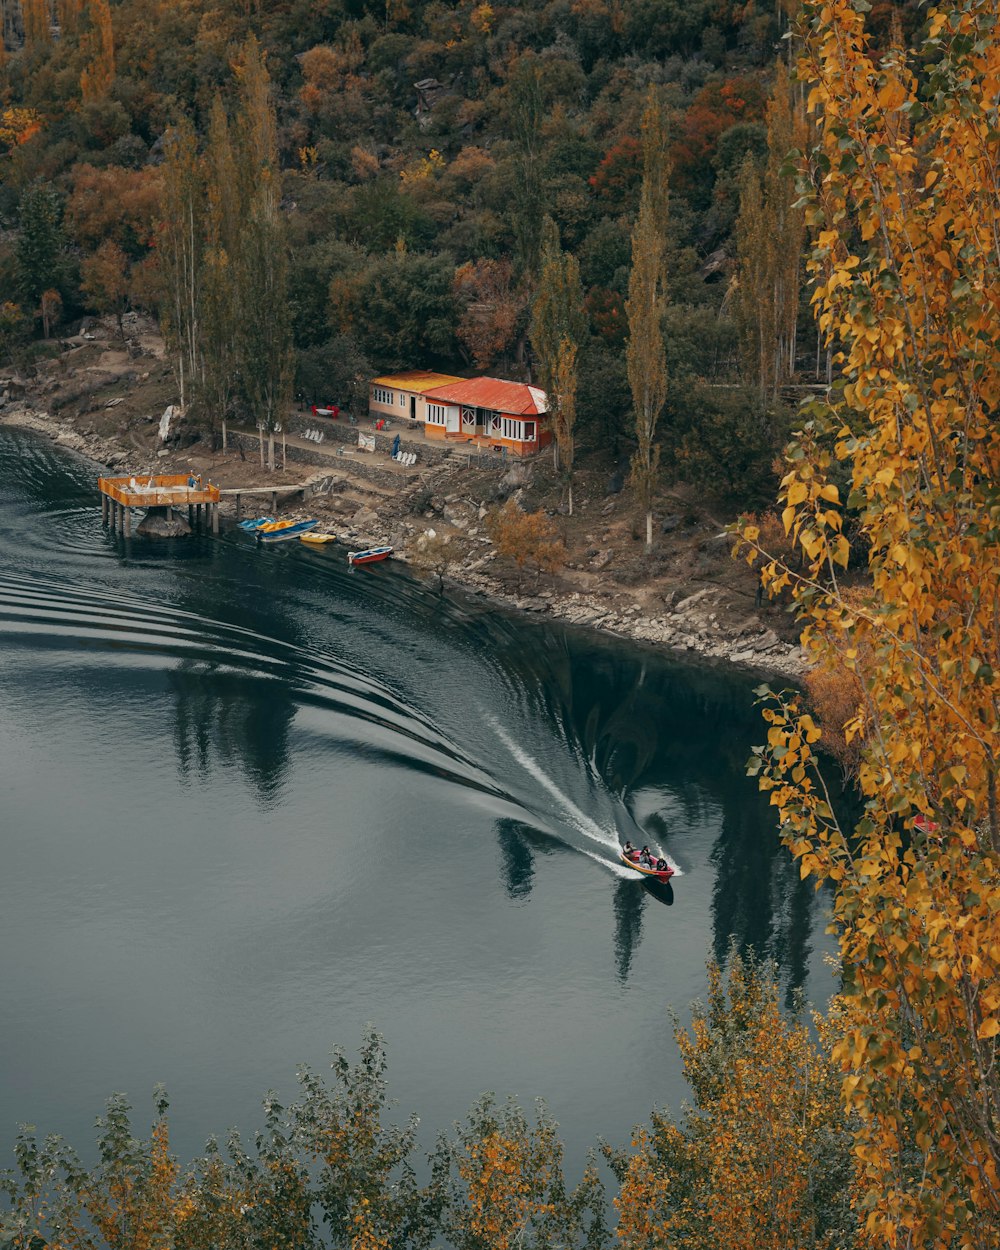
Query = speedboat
x=659 y=874
x=282 y=531
x=370 y=556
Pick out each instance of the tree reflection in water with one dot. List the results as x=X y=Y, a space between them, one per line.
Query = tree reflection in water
x=517 y=863
x=629 y=900
x=240 y=720
x=649 y=723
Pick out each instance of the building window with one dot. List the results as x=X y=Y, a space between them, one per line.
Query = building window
x=382 y=396
x=402 y=401
x=529 y=431
x=435 y=414
x=511 y=428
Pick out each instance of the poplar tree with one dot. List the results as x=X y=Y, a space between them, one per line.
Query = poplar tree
x=179 y=249
x=564 y=384
x=646 y=307
x=263 y=322
x=769 y=236
x=907 y=282
x=558 y=324
x=36 y=16
x=219 y=271
x=526 y=191
x=98 y=75
x=69 y=13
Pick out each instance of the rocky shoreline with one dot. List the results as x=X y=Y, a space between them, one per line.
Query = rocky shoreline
x=690 y=622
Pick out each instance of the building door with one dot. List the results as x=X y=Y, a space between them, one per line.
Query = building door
x=413 y=407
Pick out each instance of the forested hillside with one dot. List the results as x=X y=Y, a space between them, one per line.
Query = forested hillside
x=420 y=147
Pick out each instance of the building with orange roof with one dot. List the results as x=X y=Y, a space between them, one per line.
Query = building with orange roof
x=402 y=394
x=489 y=412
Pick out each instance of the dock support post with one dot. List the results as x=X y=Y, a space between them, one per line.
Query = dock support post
x=114 y=515
x=215 y=518
x=239 y=507
x=274 y=501
x=104 y=509
x=191 y=514
x=127 y=522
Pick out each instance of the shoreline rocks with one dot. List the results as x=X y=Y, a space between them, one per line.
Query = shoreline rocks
x=686 y=621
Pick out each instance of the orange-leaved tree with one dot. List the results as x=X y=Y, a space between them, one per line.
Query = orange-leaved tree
x=129 y=1200
x=508 y=1191
x=906 y=218
x=762 y=1160
x=526 y=537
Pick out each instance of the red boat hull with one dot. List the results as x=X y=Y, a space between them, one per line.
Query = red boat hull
x=368 y=557
x=659 y=874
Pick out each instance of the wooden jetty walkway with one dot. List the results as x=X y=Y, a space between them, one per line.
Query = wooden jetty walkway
x=119 y=495
x=284 y=490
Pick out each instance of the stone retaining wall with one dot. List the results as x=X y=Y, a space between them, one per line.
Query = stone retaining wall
x=356 y=466
x=429 y=451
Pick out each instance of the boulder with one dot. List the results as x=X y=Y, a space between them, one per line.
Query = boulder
x=157 y=524
x=767 y=641
x=672 y=598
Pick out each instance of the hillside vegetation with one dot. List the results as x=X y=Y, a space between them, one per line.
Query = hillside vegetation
x=418 y=148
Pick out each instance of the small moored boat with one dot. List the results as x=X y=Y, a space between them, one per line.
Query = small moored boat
x=370 y=556
x=282 y=531
x=318 y=537
x=256 y=523
x=654 y=869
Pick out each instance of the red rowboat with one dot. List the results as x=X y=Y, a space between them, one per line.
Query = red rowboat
x=369 y=556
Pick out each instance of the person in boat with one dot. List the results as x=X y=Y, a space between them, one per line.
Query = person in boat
x=644 y=857
x=661 y=865
x=628 y=850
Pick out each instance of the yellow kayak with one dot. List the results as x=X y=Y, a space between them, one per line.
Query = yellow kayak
x=283 y=531
x=318 y=538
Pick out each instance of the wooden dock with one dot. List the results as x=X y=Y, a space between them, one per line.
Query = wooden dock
x=119 y=495
x=275 y=492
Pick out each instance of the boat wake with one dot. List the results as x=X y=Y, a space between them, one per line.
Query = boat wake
x=565 y=815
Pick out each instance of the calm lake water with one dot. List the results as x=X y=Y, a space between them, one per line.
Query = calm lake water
x=251 y=800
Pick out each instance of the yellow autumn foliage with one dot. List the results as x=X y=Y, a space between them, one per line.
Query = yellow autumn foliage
x=904 y=205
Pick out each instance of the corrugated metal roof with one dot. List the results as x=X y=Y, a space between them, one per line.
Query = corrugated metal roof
x=516 y=398
x=418 y=380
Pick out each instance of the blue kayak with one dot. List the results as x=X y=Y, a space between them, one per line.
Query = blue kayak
x=256 y=523
x=281 y=531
